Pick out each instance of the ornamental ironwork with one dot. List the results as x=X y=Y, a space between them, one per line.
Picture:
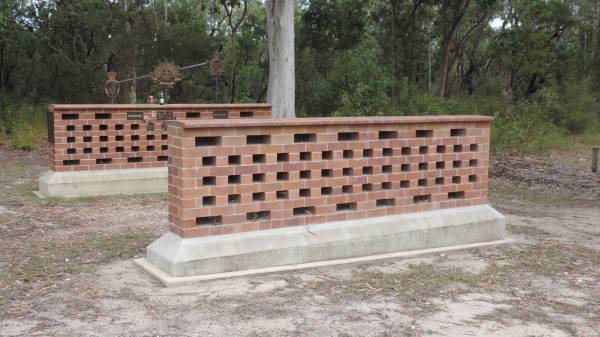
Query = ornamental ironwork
x=112 y=86
x=216 y=67
x=166 y=74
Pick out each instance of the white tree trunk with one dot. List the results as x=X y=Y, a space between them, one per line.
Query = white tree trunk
x=281 y=92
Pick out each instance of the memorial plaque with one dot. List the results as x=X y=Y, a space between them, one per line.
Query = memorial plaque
x=220 y=114
x=135 y=116
x=50 y=120
x=164 y=115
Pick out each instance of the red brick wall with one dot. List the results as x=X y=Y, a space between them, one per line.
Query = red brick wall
x=236 y=176
x=101 y=137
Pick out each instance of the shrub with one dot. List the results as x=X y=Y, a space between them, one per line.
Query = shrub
x=23 y=126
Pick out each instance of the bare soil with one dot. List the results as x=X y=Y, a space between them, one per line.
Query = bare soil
x=66 y=270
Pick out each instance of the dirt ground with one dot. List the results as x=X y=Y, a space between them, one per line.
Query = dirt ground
x=66 y=270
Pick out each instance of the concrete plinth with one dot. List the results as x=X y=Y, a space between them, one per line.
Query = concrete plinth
x=106 y=182
x=175 y=260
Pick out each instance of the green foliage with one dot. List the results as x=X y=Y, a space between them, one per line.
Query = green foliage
x=23 y=126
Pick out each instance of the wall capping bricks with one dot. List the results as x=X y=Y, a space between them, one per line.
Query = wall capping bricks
x=189 y=124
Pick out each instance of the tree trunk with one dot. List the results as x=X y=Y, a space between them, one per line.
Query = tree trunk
x=448 y=35
x=280 y=31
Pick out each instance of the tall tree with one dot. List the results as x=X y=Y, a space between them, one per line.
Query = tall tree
x=280 y=31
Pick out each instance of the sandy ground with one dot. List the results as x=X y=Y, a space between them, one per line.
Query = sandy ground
x=66 y=270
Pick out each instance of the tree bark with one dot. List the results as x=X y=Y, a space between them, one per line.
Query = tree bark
x=281 y=92
x=459 y=12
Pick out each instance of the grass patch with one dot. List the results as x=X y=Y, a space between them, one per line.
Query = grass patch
x=39 y=265
x=548 y=258
x=23 y=126
x=419 y=282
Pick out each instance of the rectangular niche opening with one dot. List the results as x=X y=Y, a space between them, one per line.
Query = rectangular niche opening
x=246 y=114
x=209 y=181
x=259 y=158
x=234 y=198
x=327 y=155
x=458 y=132
x=283 y=157
x=304 y=211
x=347 y=136
x=385 y=202
x=69 y=117
x=326 y=190
x=71 y=162
x=418 y=199
x=103 y=116
x=305 y=174
x=209 y=161
x=388 y=134
x=234 y=160
x=345 y=206
x=304 y=192
x=305 y=138
x=424 y=133
x=258 y=216
x=208 y=141
x=135 y=159
x=209 y=201
x=192 y=114
x=281 y=194
x=209 y=220
x=456 y=195
x=326 y=173
x=258 y=139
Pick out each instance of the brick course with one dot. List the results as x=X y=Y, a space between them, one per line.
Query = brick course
x=230 y=176
x=87 y=137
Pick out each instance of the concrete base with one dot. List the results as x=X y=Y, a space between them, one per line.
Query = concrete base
x=107 y=182
x=174 y=281
x=178 y=257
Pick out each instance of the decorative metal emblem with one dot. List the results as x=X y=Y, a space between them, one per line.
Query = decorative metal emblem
x=112 y=86
x=166 y=74
x=216 y=67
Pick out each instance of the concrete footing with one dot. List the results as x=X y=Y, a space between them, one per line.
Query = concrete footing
x=176 y=261
x=108 y=182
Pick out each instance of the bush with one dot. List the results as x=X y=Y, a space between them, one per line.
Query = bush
x=23 y=126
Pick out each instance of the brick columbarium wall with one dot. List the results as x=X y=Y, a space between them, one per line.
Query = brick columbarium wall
x=116 y=136
x=120 y=148
x=229 y=177
x=266 y=192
